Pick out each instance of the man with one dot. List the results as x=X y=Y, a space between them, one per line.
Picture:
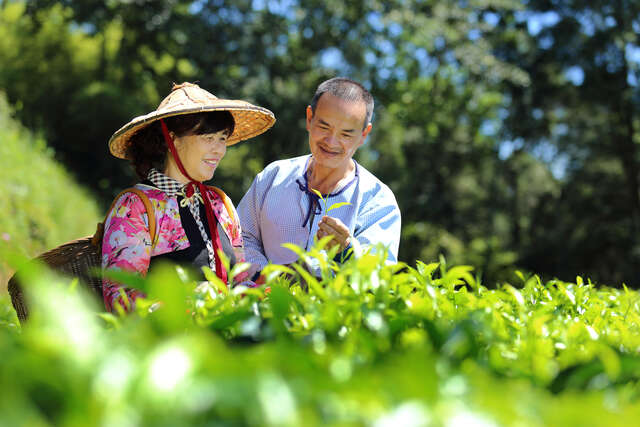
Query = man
x=281 y=206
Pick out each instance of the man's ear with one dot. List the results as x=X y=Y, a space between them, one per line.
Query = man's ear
x=309 y=115
x=366 y=131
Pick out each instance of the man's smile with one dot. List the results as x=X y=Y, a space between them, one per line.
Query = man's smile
x=328 y=151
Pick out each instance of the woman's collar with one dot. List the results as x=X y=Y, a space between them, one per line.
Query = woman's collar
x=164 y=182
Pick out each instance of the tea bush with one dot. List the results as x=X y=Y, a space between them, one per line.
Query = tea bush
x=366 y=344
x=42 y=206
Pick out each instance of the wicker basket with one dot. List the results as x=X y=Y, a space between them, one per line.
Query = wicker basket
x=81 y=258
x=78 y=258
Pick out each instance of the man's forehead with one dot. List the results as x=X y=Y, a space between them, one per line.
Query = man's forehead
x=330 y=106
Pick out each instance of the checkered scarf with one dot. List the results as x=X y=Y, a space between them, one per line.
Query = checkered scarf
x=174 y=188
x=164 y=182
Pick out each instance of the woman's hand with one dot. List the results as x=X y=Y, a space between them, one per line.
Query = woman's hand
x=330 y=226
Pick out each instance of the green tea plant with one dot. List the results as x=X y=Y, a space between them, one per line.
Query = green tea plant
x=37 y=193
x=325 y=201
x=366 y=343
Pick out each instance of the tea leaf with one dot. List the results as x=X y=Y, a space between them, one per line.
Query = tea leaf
x=337 y=205
x=319 y=194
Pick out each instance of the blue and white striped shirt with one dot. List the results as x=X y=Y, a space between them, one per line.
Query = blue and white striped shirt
x=279 y=209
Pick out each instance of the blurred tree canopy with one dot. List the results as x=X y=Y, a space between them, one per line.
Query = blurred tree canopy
x=507 y=129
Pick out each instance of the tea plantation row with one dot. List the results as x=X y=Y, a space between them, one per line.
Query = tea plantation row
x=367 y=344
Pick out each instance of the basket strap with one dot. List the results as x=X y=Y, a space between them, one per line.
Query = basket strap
x=151 y=214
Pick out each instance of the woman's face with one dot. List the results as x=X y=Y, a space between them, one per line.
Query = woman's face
x=200 y=155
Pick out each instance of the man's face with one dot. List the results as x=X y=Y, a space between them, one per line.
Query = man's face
x=335 y=130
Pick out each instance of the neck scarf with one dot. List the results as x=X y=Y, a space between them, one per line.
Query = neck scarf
x=173 y=188
x=190 y=189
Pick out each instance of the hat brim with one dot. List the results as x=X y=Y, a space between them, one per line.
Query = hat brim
x=250 y=121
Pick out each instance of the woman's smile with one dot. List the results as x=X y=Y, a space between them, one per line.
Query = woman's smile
x=201 y=154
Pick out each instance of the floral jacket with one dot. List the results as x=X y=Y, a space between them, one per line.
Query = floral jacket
x=127 y=246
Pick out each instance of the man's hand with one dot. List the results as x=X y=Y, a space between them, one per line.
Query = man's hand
x=330 y=226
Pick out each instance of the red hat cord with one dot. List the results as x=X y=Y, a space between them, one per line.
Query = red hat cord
x=190 y=189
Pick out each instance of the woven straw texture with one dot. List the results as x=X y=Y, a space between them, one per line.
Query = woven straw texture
x=81 y=258
x=250 y=120
x=78 y=258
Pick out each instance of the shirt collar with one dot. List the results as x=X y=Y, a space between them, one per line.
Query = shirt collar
x=314 y=204
x=164 y=182
x=305 y=180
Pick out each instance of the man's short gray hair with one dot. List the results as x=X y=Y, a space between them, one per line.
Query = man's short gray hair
x=348 y=90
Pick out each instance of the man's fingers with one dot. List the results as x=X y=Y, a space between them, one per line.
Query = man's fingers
x=324 y=232
x=333 y=222
x=332 y=228
x=339 y=238
x=339 y=232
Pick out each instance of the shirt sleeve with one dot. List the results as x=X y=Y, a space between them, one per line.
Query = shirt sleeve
x=126 y=246
x=380 y=223
x=248 y=210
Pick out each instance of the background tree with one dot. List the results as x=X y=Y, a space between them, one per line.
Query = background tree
x=506 y=130
x=580 y=114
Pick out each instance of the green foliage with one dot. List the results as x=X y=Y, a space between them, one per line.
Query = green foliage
x=368 y=343
x=42 y=205
x=476 y=103
x=580 y=111
x=455 y=199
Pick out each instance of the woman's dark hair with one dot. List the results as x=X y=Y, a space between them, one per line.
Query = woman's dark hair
x=147 y=148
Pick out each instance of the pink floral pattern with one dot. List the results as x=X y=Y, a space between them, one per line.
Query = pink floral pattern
x=127 y=246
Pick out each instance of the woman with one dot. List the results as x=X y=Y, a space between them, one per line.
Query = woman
x=174 y=150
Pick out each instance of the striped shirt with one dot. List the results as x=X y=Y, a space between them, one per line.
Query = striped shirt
x=279 y=208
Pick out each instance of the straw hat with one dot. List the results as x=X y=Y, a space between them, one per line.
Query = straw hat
x=187 y=98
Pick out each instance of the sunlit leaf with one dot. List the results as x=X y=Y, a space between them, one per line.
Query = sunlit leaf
x=337 y=205
x=319 y=194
